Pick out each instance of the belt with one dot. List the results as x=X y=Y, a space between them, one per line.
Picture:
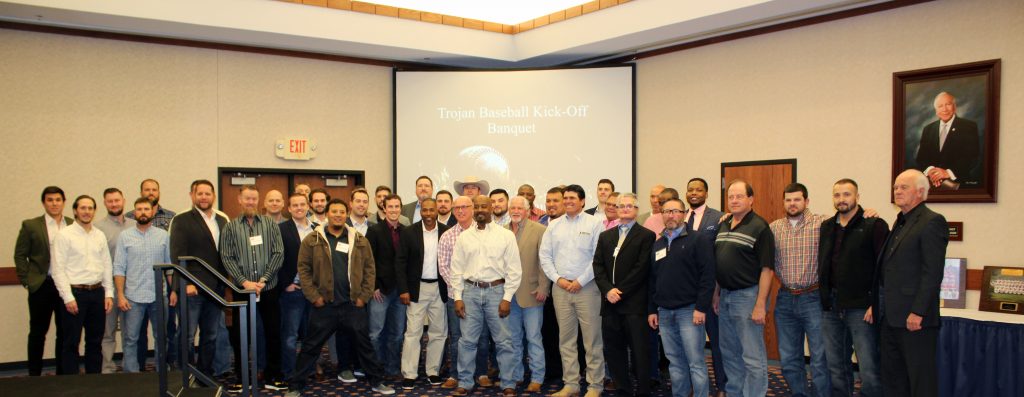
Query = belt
x=486 y=284
x=800 y=291
x=429 y=281
x=87 y=287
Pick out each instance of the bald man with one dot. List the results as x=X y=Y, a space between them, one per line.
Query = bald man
x=949 y=149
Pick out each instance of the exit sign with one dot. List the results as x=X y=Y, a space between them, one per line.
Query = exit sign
x=295 y=149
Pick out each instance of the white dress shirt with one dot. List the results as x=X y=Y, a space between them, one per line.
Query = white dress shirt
x=81 y=257
x=52 y=228
x=484 y=256
x=211 y=223
x=429 y=253
x=567 y=249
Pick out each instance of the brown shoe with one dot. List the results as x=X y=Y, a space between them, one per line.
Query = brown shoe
x=566 y=392
x=721 y=393
x=592 y=393
x=534 y=387
x=509 y=392
x=484 y=381
x=460 y=391
x=450 y=383
x=609 y=385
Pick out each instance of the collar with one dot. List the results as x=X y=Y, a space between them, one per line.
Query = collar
x=120 y=219
x=700 y=209
x=344 y=232
x=674 y=233
x=950 y=122
x=53 y=221
x=434 y=230
x=626 y=226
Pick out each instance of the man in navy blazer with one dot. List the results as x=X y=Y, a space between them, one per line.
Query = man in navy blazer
x=906 y=293
x=949 y=148
x=294 y=306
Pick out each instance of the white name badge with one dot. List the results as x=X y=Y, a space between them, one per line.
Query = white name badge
x=255 y=240
x=660 y=254
x=341 y=247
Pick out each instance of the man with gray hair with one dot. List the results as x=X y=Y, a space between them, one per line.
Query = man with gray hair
x=949 y=148
x=527 y=317
x=907 y=291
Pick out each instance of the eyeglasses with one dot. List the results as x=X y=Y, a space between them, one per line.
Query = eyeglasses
x=673 y=212
x=462 y=207
x=625 y=206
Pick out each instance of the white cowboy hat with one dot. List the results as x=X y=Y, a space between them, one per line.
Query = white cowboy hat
x=485 y=187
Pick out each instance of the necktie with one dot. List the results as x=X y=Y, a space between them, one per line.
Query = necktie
x=689 y=223
x=623 y=230
x=943 y=134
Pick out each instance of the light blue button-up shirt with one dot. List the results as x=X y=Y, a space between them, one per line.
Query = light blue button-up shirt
x=567 y=249
x=134 y=257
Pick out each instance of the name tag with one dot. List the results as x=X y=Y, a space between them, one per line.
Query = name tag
x=660 y=254
x=616 y=253
x=256 y=240
x=342 y=247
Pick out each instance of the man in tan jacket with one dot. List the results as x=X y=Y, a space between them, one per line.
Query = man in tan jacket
x=336 y=272
x=528 y=305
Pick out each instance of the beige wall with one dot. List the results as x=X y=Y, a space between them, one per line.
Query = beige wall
x=86 y=114
x=821 y=94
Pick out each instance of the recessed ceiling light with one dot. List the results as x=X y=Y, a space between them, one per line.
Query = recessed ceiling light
x=509 y=12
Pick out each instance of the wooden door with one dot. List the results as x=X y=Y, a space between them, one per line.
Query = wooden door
x=768 y=179
x=231 y=182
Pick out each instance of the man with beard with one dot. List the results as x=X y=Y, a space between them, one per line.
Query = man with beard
x=553 y=203
x=82 y=274
x=530 y=194
x=704 y=219
x=111 y=226
x=360 y=219
x=798 y=304
x=499 y=206
x=850 y=245
x=387 y=313
x=294 y=308
x=252 y=252
x=197 y=233
x=379 y=194
x=655 y=199
x=138 y=249
x=444 y=208
x=605 y=187
x=318 y=199
x=150 y=189
x=273 y=206
x=424 y=190
x=485 y=273
x=32 y=254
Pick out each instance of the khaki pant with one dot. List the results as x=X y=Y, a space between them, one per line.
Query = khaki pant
x=430 y=307
x=581 y=310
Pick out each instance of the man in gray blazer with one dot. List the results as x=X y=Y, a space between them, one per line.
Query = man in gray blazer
x=528 y=306
x=32 y=265
x=424 y=190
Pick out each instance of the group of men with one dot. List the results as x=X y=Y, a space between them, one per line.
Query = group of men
x=502 y=287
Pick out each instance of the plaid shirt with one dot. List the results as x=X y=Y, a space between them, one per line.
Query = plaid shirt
x=796 y=250
x=445 y=247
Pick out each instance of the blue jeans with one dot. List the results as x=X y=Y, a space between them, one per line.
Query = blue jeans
x=387 y=329
x=133 y=325
x=845 y=331
x=797 y=316
x=294 y=307
x=482 y=311
x=207 y=316
x=529 y=320
x=452 y=346
x=742 y=344
x=684 y=347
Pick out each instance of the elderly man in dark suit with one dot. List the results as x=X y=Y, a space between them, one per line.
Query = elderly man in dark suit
x=32 y=264
x=949 y=147
x=621 y=264
x=907 y=291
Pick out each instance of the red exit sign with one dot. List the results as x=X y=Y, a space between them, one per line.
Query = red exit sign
x=293 y=148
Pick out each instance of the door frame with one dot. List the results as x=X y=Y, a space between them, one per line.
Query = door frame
x=721 y=175
x=360 y=176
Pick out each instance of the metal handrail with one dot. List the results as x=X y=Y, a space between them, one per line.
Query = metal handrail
x=247 y=321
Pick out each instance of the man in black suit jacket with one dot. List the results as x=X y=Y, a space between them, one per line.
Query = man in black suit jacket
x=422 y=289
x=294 y=306
x=621 y=264
x=907 y=291
x=32 y=265
x=387 y=313
x=605 y=187
x=193 y=234
x=948 y=159
x=706 y=219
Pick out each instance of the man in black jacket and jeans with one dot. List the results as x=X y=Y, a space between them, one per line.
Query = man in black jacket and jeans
x=849 y=246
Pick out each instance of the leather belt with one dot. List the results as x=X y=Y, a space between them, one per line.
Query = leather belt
x=87 y=287
x=428 y=281
x=486 y=284
x=800 y=291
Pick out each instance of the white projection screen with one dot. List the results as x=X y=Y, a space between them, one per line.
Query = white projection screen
x=543 y=127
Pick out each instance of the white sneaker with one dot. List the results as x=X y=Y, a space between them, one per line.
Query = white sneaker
x=383 y=389
x=346 y=377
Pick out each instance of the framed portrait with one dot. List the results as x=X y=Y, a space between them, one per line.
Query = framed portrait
x=946 y=124
x=953 y=290
x=1002 y=290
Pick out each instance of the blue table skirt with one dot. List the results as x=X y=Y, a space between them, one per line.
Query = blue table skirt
x=980 y=358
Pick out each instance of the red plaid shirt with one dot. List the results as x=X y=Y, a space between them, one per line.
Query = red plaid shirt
x=796 y=250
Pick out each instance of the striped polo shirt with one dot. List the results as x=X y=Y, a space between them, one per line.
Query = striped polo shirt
x=740 y=253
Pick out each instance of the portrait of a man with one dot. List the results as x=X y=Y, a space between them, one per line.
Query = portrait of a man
x=949 y=149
